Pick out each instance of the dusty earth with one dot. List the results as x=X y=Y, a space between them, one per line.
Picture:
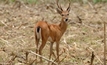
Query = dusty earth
x=83 y=36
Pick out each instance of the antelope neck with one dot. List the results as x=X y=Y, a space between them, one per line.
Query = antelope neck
x=63 y=26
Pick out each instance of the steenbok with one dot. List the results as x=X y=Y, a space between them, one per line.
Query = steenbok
x=51 y=32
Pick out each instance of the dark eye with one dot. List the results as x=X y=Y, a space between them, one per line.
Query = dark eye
x=62 y=15
x=68 y=14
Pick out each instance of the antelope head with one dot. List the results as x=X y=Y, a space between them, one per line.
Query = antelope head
x=63 y=13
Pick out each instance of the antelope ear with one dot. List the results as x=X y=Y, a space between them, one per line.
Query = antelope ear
x=59 y=10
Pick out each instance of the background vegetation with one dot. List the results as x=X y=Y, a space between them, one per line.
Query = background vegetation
x=83 y=1
x=84 y=34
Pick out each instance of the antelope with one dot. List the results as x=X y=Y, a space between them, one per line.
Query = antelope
x=51 y=32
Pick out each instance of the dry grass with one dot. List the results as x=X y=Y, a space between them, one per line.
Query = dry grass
x=77 y=44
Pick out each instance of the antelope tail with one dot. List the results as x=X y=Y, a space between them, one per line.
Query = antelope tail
x=38 y=32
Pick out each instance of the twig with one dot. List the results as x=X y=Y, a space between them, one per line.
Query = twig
x=17 y=4
x=30 y=63
x=80 y=20
x=96 y=55
x=27 y=53
x=58 y=56
x=21 y=57
x=20 y=26
x=6 y=42
x=12 y=59
x=92 y=58
x=43 y=57
x=92 y=7
x=4 y=23
x=104 y=43
x=21 y=61
x=62 y=59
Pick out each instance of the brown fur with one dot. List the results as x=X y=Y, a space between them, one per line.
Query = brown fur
x=52 y=31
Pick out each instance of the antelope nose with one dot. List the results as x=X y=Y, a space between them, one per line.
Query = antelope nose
x=66 y=19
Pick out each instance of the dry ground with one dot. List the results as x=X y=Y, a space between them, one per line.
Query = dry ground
x=81 y=38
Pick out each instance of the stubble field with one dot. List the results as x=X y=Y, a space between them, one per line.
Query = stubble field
x=83 y=36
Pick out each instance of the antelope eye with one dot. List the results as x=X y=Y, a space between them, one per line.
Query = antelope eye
x=62 y=15
x=68 y=14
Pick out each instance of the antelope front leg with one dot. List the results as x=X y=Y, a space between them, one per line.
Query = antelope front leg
x=57 y=51
x=51 y=48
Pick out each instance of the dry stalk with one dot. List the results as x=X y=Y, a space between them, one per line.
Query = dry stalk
x=92 y=7
x=22 y=61
x=21 y=57
x=30 y=63
x=6 y=42
x=92 y=58
x=57 y=57
x=80 y=20
x=12 y=59
x=20 y=26
x=104 y=43
x=27 y=53
x=27 y=61
x=62 y=59
x=42 y=57
x=17 y=4
x=17 y=56
x=96 y=55
x=9 y=62
x=4 y=23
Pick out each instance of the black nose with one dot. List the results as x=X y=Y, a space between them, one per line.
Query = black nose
x=66 y=19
